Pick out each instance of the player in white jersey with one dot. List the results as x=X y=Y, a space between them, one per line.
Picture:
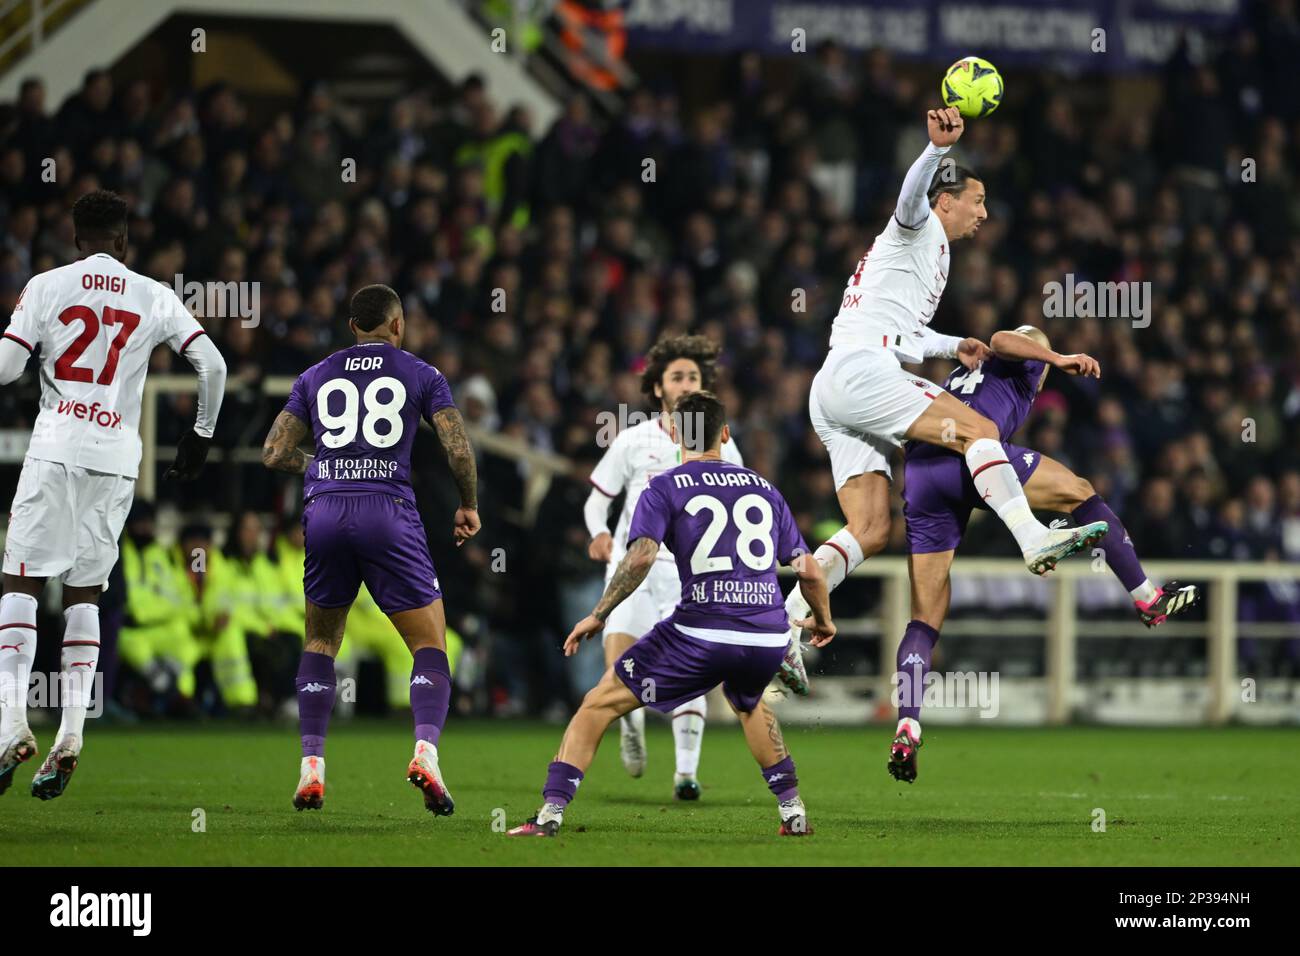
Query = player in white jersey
x=674 y=367
x=864 y=404
x=96 y=324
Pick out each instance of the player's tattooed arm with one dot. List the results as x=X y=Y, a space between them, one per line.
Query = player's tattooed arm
x=460 y=455
x=631 y=571
x=281 y=449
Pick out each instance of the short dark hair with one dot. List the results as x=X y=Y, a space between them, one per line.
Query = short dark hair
x=373 y=305
x=698 y=348
x=99 y=215
x=950 y=178
x=699 y=417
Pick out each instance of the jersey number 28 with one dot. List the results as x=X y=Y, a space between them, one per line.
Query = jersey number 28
x=703 y=561
x=343 y=426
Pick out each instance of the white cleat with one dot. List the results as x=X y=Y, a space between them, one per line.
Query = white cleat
x=631 y=742
x=1063 y=542
x=52 y=779
x=310 y=794
x=794 y=818
x=19 y=747
x=793 y=674
x=424 y=775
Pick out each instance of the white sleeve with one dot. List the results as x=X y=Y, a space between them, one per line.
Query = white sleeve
x=201 y=352
x=731 y=453
x=13 y=359
x=937 y=345
x=610 y=474
x=913 y=200
x=175 y=325
x=596 y=512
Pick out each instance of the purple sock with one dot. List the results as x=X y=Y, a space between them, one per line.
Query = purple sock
x=913 y=664
x=315 y=685
x=562 y=781
x=781 y=779
x=1116 y=546
x=430 y=693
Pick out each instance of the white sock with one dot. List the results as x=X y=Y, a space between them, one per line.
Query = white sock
x=1145 y=592
x=838 y=557
x=77 y=665
x=912 y=724
x=996 y=482
x=17 y=649
x=688 y=734
x=634 y=721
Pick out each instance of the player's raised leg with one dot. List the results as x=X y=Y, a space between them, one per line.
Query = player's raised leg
x=1053 y=487
x=17 y=650
x=763 y=735
x=606 y=702
x=631 y=726
x=864 y=501
x=316 y=685
x=931 y=591
x=424 y=629
x=950 y=424
x=688 y=740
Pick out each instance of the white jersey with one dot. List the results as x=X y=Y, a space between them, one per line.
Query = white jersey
x=891 y=298
x=635 y=456
x=96 y=323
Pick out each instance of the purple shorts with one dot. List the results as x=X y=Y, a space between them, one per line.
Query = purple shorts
x=665 y=668
x=939 y=495
x=375 y=538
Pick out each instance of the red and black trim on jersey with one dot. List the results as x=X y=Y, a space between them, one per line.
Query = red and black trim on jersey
x=14 y=338
x=192 y=338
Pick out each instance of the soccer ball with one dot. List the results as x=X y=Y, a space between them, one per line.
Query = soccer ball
x=972 y=85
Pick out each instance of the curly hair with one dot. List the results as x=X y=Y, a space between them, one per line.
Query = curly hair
x=99 y=215
x=699 y=349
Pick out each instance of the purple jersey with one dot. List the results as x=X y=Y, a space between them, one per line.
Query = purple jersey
x=938 y=493
x=728 y=529
x=1002 y=391
x=364 y=404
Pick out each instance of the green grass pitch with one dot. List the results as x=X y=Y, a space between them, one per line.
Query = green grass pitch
x=984 y=797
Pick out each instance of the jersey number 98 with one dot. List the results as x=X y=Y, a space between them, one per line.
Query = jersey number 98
x=342 y=427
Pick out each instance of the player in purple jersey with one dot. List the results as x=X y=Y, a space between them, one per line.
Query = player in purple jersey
x=727 y=529
x=938 y=497
x=361 y=406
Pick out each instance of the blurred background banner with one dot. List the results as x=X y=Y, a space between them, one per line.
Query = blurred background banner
x=1137 y=34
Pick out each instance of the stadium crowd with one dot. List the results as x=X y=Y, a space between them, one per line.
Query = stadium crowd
x=537 y=266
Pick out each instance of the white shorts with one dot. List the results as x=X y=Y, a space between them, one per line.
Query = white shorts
x=649 y=604
x=65 y=521
x=862 y=403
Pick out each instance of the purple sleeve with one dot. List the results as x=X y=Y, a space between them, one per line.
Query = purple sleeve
x=437 y=393
x=297 y=404
x=790 y=543
x=652 y=516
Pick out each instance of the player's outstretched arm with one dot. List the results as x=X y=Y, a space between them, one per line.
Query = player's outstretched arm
x=629 y=574
x=192 y=451
x=1016 y=347
x=812 y=584
x=281 y=449
x=460 y=457
x=945 y=128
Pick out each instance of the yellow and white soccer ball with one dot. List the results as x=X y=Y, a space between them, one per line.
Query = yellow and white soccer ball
x=973 y=85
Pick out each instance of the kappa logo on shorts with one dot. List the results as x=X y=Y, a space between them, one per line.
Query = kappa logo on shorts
x=1029 y=457
x=628 y=664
